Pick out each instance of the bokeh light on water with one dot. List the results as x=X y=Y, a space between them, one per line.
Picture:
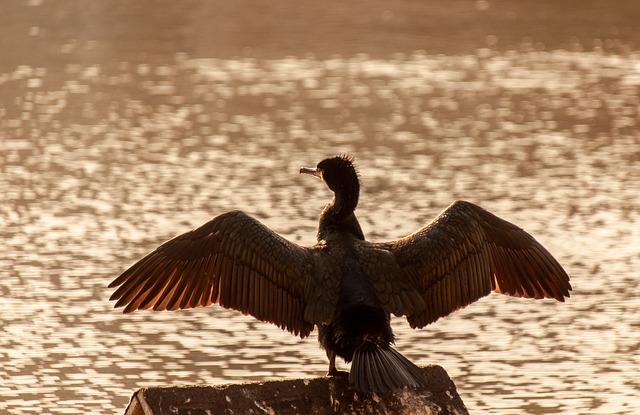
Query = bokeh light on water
x=101 y=162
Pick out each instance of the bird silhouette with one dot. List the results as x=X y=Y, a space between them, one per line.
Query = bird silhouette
x=344 y=285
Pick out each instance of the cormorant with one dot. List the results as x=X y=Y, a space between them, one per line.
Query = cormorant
x=345 y=285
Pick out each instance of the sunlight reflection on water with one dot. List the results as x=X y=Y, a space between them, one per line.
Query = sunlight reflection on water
x=101 y=164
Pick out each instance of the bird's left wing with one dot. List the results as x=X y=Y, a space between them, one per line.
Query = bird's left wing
x=463 y=255
x=232 y=260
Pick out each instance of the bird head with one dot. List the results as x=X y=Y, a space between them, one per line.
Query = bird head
x=339 y=174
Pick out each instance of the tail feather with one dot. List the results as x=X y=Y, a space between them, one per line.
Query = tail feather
x=381 y=368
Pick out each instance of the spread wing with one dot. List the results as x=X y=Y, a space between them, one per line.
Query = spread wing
x=397 y=293
x=467 y=252
x=232 y=260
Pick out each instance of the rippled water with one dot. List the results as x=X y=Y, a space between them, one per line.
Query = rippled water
x=102 y=162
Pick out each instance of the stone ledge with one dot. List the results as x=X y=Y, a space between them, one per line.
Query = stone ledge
x=326 y=395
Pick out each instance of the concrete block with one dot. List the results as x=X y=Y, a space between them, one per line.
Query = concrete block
x=326 y=395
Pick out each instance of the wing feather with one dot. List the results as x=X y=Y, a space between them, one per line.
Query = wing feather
x=152 y=295
x=232 y=260
x=464 y=254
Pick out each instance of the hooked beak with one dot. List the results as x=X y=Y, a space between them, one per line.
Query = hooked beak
x=311 y=171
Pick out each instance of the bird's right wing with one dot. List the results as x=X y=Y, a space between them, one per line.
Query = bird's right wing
x=232 y=260
x=466 y=253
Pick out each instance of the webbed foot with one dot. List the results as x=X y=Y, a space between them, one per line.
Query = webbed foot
x=336 y=372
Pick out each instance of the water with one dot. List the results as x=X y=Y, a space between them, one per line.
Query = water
x=102 y=161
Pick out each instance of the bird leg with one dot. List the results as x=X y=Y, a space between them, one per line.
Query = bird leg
x=332 y=365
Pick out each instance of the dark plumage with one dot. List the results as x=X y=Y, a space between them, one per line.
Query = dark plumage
x=344 y=285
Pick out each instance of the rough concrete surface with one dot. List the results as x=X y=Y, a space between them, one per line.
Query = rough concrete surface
x=326 y=395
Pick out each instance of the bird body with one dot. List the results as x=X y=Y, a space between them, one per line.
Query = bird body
x=346 y=286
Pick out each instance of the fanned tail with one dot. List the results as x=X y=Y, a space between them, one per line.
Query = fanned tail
x=379 y=369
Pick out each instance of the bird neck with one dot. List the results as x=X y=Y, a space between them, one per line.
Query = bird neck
x=344 y=203
x=339 y=217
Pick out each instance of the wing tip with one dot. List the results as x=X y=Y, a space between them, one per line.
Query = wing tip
x=115 y=283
